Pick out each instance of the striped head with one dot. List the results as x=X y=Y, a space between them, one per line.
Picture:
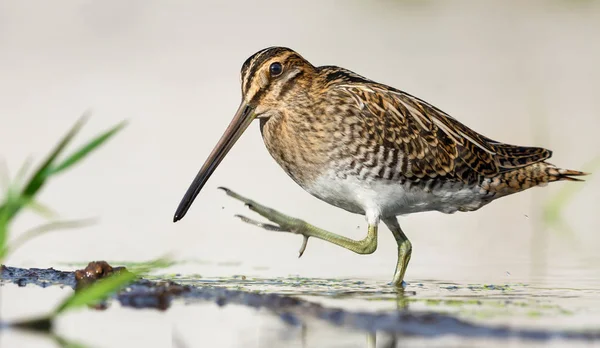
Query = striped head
x=271 y=78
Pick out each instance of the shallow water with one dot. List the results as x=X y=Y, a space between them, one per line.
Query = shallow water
x=520 y=304
x=349 y=312
x=516 y=304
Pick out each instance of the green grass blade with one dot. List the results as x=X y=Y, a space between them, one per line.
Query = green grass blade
x=41 y=174
x=15 y=202
x=86 y=149
x=40 y=230
x=42 y=210
x=38 y=325
x=10 y=204
x=96 y=292
x=39 y=177
x=12 y=189
x=4 y=220
x=21 y=174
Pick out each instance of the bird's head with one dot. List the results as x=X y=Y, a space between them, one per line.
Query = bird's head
x=274 y=77
x=271 y=78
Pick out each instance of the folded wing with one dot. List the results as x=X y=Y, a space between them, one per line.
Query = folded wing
x=431 y=142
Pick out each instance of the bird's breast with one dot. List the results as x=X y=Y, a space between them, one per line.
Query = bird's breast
x=357 y=176
x=301 y=150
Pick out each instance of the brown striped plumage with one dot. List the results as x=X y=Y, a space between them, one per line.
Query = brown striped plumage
x=329 y=117
x=369 y=149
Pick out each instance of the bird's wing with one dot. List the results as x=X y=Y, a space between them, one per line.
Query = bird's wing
x=431 y=142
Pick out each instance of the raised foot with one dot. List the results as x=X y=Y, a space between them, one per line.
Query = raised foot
x=283 y=223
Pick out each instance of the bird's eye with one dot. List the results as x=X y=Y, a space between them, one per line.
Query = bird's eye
x=275 y=69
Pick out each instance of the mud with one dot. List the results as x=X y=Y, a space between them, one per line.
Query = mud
x=159 y=294
x=93 y=271
x=37 y=276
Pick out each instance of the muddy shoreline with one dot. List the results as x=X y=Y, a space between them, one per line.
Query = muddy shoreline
x=159 y=295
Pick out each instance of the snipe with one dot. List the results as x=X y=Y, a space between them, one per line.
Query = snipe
x=369 y=149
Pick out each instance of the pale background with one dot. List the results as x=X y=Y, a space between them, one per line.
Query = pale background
x=520 y=72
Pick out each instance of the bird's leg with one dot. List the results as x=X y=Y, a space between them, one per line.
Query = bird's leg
x=286 y=223
x=404 y=250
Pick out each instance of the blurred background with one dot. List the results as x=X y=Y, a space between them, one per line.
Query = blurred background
x=520 y=72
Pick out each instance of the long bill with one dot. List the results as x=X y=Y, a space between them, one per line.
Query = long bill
x=242 y=119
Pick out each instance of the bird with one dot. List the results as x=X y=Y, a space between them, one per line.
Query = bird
x=367 y=148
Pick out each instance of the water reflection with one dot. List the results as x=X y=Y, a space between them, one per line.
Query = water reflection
x=47 y=338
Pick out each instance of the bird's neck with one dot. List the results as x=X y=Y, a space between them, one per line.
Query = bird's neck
x=291 y=140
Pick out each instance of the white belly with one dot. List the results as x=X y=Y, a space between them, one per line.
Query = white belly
x=390 y=198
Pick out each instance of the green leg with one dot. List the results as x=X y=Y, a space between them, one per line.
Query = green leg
x=404 y=250
x=286 y=223
x=371 y=339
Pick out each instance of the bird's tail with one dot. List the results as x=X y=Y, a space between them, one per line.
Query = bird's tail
x=536 y=174
x=556 y=174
